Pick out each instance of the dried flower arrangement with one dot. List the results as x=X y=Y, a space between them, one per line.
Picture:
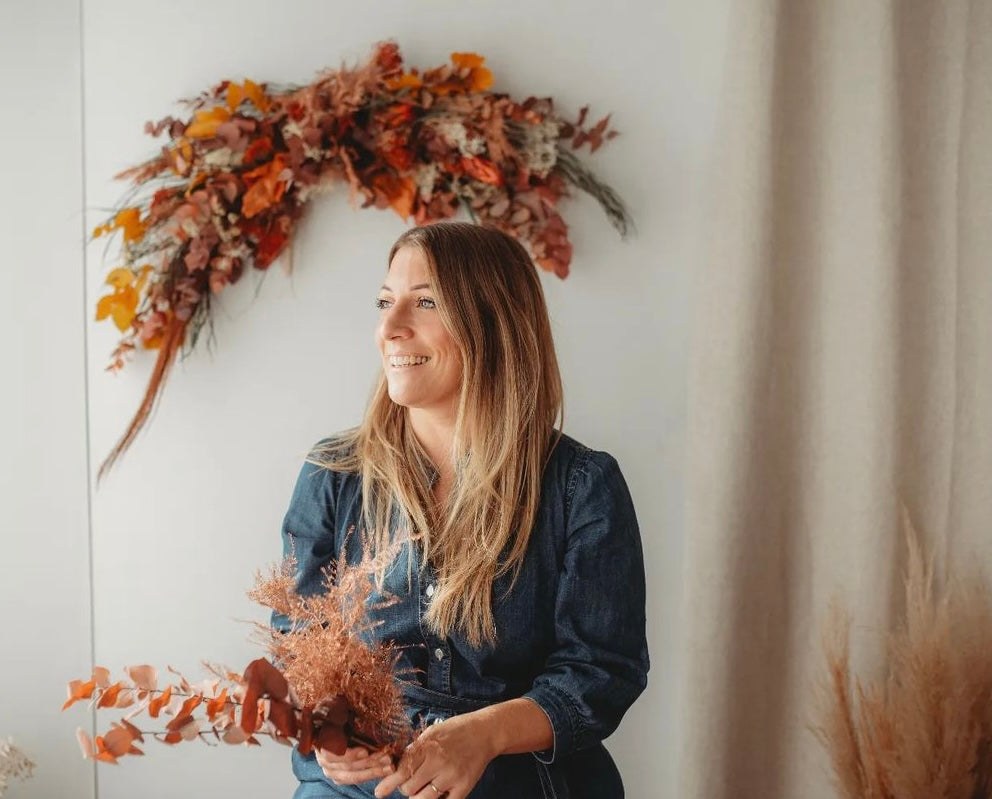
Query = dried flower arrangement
x=331 y=688
x=926 y=732
x=13 y=764
x=230 y=186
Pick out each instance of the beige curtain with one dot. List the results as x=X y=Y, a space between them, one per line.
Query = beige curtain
x=841 y=361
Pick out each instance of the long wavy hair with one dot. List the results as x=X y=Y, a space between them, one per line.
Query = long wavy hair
x=491 y=302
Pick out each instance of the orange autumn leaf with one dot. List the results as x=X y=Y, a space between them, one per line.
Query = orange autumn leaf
x=118 y=741
x=481 y=169
x=128 y=220
x=467 y=60
x=102 y=753
x=155 y=705
x=401 y=192
x=408 y=80
x=180 y=156
x=121 y=305
x=109 y=697
x=267 y=188
x=262 y=679
x=135 y=732
x=94 y=749
x=480 y=77
x=257 y=95
x=206 y=122
x=216 y=705
x=144 y=677
x=120 y=278
x=185 y=714
x=235 y=94
x=79 y=690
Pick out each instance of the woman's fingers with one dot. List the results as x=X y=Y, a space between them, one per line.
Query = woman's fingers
x=428 y=781
x=355 y=766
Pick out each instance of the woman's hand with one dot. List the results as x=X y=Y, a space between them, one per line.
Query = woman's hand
x=356 y=765
x=446 y=760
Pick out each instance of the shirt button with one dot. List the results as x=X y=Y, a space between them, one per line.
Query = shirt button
x=430 y=590
x=439 y=653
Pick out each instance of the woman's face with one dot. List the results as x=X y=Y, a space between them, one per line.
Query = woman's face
x=420 y=359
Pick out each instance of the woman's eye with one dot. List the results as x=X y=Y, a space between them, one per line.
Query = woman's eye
x=426 y=302
x=380 y=303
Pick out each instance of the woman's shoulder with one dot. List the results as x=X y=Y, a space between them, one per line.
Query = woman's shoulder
x=334 y=451
x=576 y=455
x=571 y=462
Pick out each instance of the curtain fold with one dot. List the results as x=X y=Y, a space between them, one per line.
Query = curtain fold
x=841 y=362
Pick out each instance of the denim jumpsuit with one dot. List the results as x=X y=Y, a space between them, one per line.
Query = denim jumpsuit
x=570 y=633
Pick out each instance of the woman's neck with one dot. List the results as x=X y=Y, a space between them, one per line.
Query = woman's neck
x=436 y=434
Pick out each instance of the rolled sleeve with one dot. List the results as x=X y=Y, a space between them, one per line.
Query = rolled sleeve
x=600 y=662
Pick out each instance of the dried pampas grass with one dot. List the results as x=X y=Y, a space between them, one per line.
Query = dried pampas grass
x=925 y=732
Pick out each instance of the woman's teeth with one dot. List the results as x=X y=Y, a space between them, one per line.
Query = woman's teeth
x=407 y=360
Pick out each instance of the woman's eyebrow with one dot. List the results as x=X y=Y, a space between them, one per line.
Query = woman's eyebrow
x=412 y=288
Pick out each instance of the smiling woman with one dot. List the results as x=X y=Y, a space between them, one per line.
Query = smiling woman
x=517 y=599
x=421 y=361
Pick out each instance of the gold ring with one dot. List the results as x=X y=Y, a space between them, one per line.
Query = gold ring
x=436 y=789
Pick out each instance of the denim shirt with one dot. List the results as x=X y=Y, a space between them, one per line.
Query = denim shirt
x=570 y=632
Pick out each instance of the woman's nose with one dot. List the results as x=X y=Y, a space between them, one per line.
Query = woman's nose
x=395 y=324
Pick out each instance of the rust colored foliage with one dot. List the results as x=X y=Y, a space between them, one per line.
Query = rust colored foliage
x=228 y=187
x=333 y=689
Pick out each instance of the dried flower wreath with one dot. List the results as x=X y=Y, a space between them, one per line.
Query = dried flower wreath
x=231 y=184
x=330 y=687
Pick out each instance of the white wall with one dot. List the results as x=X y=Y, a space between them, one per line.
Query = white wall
x=44 y=532
x=195 y=505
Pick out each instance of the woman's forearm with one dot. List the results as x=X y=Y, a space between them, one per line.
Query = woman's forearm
x=516 y=726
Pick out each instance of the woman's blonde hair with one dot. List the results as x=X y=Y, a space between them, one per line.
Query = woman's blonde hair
x=491 y=302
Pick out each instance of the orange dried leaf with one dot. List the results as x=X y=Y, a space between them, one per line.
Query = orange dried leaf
x=482 y=79
x=257 y=95
x=119 y=278
x=85 y=742
x=206 y=122
x=185 y=713
x=117 y=741
x=109 y=697
x=332 y=739
x=136 y=734
x=101 y=751
x=467 y=60
x=408 y=80
x=155 y=705
x=216 y=705
x=144 y=677
x=129 y=220
x=235 y=94
x=267 y=188
x=234 y=735
x=79 y=690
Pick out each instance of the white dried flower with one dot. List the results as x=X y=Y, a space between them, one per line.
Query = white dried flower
x=457 y=135
x=13 y=763
x=540 y=147
x=223 y=158
x=425 y=176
